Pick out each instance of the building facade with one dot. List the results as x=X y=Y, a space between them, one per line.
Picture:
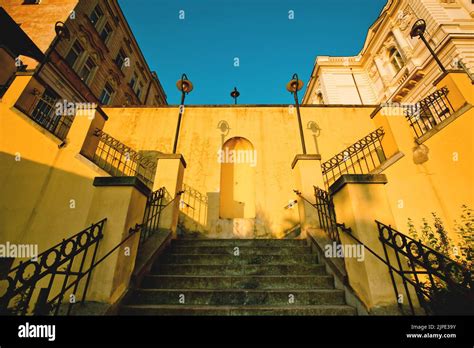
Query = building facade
x=95 y=58
x=392 y=66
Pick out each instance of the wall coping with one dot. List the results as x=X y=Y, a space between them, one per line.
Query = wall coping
x=172 y=156
x=133 y=181
x=444 y=74
x=302 y=157
x=325 y=106
x=357 y=179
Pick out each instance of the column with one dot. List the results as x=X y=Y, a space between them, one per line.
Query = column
x=307 y=173
x=122 y=201
x=359 y=200
x=169 y=174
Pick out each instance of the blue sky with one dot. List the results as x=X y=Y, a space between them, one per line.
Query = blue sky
x=269 y=46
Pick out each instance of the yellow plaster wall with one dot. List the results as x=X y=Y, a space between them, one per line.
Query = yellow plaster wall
x=443 y=183
x=440 y=185
x=36 y=191
x=273 y=132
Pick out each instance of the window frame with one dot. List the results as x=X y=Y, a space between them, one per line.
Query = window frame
x=121 y=54
x=94 y=12
x=110 y=91
x=91 y=70
x=394 y=56
x=74 y=65
x=109 y=32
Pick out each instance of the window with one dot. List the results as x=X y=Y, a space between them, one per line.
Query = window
x=120 y=58
x=106 y=95
x=86 y=70
x=133 y=81
x=74 y=53
x=106 y=31
x=96 y=15
x=139 y=90
x=396 y=60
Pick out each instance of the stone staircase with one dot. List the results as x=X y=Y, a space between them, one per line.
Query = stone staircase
x=237 y=277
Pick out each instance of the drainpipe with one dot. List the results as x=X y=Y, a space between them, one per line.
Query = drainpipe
x=357 y=87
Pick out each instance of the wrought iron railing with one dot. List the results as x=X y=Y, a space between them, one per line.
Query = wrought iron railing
x=362 y=157
x=441 y=285
x=45 y=113
x=427 y=113
x=53 y=275
x=151 y=219
x=118 y=159
x=326 y=214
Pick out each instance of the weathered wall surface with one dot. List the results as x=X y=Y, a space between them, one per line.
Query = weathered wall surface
x=273 y=132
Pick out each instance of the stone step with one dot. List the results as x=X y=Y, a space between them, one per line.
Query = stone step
x=242 y=250
x=228 y=270
x=240 y=242
x=223 y=259
x=237 y=297
x=236 y=310
x=238 y=282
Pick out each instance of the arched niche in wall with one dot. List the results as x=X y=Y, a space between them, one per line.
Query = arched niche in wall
x=237 y=189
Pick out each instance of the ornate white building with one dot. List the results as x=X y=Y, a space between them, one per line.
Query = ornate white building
x=392 y=66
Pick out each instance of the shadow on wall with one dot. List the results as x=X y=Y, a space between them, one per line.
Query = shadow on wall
x=193 y=214
x=40 y=204
x=199 y=217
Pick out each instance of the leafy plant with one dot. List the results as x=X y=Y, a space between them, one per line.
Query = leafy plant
x=465 y=232
x=444 y=299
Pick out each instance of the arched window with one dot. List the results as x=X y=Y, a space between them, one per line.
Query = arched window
x=396 y=59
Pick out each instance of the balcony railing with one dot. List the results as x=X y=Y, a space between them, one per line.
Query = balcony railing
x=429 y=112
x=118 y=159
x=45 y=114
x=361 y=157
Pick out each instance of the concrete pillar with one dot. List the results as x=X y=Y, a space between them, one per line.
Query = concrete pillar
x=460 y=86
x=122 y=201
x=82 y=136
x=359 y=200
x=169 y=174
x=307 y=173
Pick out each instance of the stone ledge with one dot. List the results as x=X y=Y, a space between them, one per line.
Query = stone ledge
x=122 y=181
x=357 y=179
x=444 y=74
x=172 y=156
x=315 y=157
x=388 y=162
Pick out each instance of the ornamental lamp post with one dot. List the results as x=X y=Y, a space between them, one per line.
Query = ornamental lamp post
x=294 y=86
x=418 y=30
x=235 y=94
x=185 y=86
